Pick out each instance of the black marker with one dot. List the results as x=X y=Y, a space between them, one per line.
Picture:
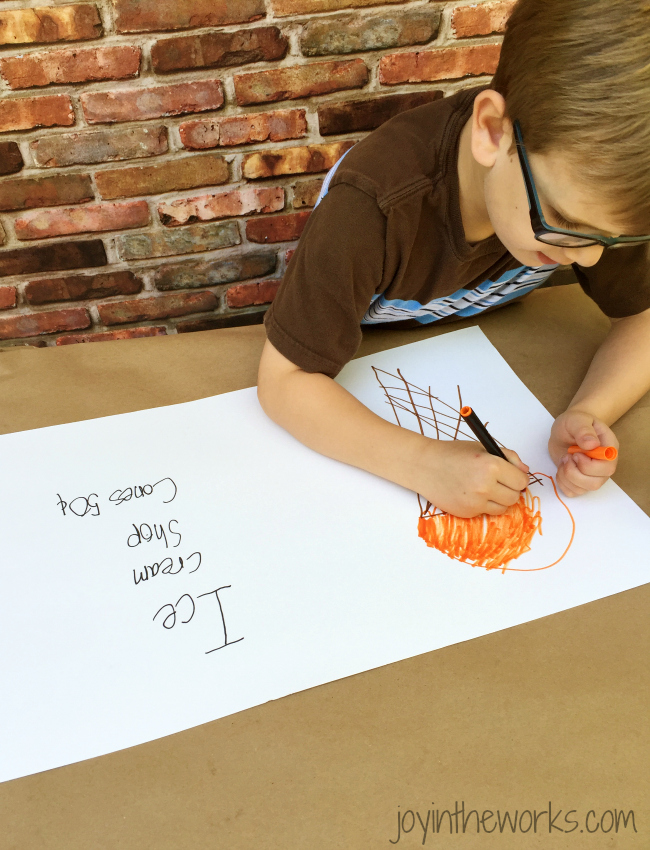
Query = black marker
x=481 y=432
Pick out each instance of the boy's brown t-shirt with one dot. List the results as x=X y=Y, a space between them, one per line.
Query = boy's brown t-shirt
x=390 y=226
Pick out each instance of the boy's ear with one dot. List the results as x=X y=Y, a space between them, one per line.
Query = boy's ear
x=491 y=128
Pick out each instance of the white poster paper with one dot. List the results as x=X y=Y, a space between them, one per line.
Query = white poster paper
x=169 y=567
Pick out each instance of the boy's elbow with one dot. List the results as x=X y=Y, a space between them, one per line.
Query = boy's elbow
x=265 y=394
x=266 y=390
x=273 y=378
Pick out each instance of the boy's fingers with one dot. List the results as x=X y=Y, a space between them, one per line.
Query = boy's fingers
x=494 y=509
x=592 y=467
x=569 y=491
x=505 y=496
x=510 y=475
x=587 y=438
x=578 y=480
x=514 y=459
x=566 y=486
x=605 y=434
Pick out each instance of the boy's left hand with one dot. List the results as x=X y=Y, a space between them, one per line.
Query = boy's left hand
x=578 y=473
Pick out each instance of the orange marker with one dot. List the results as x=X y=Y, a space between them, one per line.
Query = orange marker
x=601 y=453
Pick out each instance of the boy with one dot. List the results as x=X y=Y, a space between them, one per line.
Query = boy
x=445 y=211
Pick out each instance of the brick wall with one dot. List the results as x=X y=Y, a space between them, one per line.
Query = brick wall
x=159 y=158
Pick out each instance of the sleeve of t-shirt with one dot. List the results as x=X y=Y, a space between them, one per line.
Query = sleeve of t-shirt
x=620 y=281
x=314 y=320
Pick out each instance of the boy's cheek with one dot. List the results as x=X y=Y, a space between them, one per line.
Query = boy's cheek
x=512 y=227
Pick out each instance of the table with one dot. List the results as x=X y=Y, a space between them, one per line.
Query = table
x=554 y=710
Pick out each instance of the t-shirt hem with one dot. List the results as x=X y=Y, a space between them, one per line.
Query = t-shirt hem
x=297 y=353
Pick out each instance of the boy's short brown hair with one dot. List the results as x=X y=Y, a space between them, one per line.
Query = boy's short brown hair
x=576 y=74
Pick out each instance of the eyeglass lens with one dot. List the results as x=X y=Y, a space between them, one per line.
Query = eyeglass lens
x=565 y=241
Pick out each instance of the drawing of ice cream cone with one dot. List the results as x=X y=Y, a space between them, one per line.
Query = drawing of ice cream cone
x=490 y=542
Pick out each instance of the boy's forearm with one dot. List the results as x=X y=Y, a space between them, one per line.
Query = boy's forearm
x=324 y=416
x=456 y=475
x=619 y=374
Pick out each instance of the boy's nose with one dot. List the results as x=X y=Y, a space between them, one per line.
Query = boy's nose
x=585 y=256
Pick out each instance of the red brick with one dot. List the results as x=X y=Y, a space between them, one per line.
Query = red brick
x=103 y=336
x=481 y=18
x=289 y=254
x=45 y=25
x=355 y=116
x=100 y=146
x=244 y=129
x=306 y=192
x=71 y=66
x=82 y=287
x=183 y=240
x=52 y=258
x=26 y=113
x=154 y=15
x=158 y=307
x=86 y=219
x=26 y=193
x=218 y=49
x=193 y=275
x=140 y=104
x=284 y=8
x=227 y=320
x=307 y=159
x=11 y=160
x=34 y=324
x=7 y=297
x=176 y=175
x=445 y=63
x=250 y=294
x=277 y=228
x=223 y=205
x=299 y=81
x=356 y=33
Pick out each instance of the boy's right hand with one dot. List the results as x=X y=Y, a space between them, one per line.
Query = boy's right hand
x=461 y=478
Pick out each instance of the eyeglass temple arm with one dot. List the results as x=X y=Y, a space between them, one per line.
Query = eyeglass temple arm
x=531 y=194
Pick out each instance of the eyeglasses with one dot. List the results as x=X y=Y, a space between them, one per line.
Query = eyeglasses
x=558 y=235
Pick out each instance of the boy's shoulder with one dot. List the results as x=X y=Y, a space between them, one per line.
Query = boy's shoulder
x=410 y=152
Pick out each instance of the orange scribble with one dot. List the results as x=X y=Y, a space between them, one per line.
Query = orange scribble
x=484 y=541
x=491 y=542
